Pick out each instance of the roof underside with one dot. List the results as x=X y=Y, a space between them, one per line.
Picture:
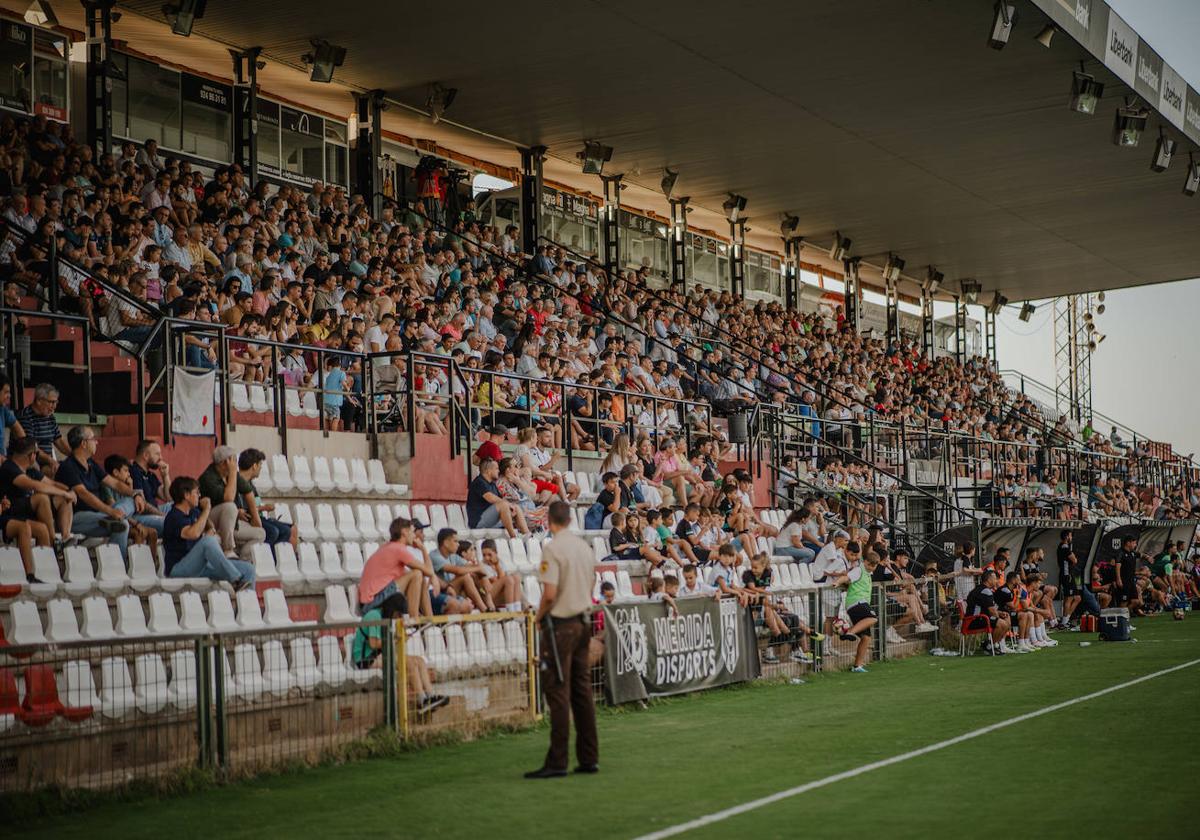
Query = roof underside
x=889 y=120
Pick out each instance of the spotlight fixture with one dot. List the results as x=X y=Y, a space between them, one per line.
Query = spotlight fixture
x=840 y=248
x=594 y=156
x=1002 y=25
x=183 y=15
x=933 y=281
x=667 y=185
x=1163 y=150
x=438 y=100
x=1100 y=296
x=40 y=13
x=1087 y=317
x=891 y=271
x=1092 y=345
x=1129 y=124
x=999 y=301
x=1046 y=35
x=1100 y=309
x=734 y=205
x=1085 y=92
x=1099 y=338
x=1191 y=184
x=323 y=60
x=1027 y=310
x=789 y=224
x=970 y=290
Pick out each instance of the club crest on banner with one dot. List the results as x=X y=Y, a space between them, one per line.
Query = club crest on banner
x=632 y=653
x=729 y=633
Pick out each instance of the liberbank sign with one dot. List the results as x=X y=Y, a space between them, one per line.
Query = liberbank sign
x=1114 y=42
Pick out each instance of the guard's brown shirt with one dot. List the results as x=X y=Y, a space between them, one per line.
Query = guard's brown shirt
x=569 y=564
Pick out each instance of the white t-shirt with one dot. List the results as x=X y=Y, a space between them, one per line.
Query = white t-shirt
x=784 y=540
x=830 y=562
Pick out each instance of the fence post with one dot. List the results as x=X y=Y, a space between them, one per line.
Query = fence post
x=881 y=636
x=203 y=704
x=531 y=664
x=221 y=729
x=395 y=686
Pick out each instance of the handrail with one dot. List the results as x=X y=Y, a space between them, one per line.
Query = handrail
x=16 y=377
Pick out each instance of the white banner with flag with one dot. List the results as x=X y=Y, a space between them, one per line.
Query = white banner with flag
x=195 y=406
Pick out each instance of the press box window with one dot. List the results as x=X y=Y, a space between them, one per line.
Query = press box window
x=50 y=75
x=207 y=118
x=15 y=54
x=154 y=104
x=302 y=144
x=337 y=161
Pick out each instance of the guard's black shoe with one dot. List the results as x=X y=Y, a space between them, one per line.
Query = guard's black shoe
x=588 y=768
x=545 y=773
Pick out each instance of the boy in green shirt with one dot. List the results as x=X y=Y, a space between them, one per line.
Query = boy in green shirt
x=367 y=649
x=858 y=603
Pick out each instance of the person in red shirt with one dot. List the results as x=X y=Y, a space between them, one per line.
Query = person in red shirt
x=490 y=448
x=393 y=569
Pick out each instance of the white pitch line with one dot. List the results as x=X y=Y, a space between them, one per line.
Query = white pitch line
x=754 y=804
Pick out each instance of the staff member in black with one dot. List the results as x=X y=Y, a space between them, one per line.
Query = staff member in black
x=1126 y=592
x=566 y=575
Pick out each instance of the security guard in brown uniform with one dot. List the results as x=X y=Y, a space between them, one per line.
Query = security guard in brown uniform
x=567 y=575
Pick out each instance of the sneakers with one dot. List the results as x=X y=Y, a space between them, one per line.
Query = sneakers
x=894 y=637
x=926 y=627
x=801 y=656
x=859 y=669
x=431 y=702
x=769 y=657
x=1049 y=643
x=848 y=637
x=816 y=637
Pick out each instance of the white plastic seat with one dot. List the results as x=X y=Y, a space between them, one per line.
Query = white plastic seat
x=436 y=654
x=477 y=647
x=329 y=658
x=532 y=590
x=456 y=518
x=308 y=400
x=421 y=514
x=514 y=640
x=383 y=520
x=369 y=548
x=520 y=556
x=45 y=569
x=302 y=474
x=804 y=578
x=264 y=484
x=358 y=477
x=287 y=565
x=327 y=528
x=111 y=577
x=77 y=686
x=504 y=552
x=61 y=624
x=192 y=618
x=116 y=688
x=402 y=511
x=377 y=476
x=414 y=644
x=163 y=619
x=306 y=526
x=337 y=605
x=624 y=585
x=310 y=564
x=291 y=402
x=258 y=399
x=281 y=475
x=247 y=671
x=143 y=573
x=437 y=518
x=533 y=549
x=276 y=613
x=220 y=612
x=352 y=560
x=321 y=476
x=81 y=577
x=497 y=650
x=131 y=619
x=239 y=397
x=150 y=683
x=331 y=562
x=264 y=562
x=347 y=529
x=249 y=611
x=305 y=675
x=342 y=482
x=181 y=690
x=368 y=528
x=97 y=621
x=276 y=674
x=232 y=690
x=600 y=548
x=609 y=576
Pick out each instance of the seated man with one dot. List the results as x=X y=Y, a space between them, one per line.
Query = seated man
x=486 y=508
x=29 y=516
x=367 y=650
x=117 y=466
x=250 y=464
x=981 y=605
x=81 y=475
x=461 y=578
x=227 y=492
x=190 y=546
x=394 y=569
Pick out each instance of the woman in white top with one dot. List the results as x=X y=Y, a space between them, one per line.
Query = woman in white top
x=790 y=540
x=619 y=454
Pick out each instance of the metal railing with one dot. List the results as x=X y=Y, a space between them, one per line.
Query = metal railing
x=18 y=356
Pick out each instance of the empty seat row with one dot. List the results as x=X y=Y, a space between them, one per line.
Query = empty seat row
x=109 y=575
x=469 y=645
x=132 y=621
x=620 y=581
x=338 y=476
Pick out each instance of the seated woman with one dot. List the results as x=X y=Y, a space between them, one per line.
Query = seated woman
x=517 y=489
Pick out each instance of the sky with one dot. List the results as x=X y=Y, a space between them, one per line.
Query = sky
x=1140 y=374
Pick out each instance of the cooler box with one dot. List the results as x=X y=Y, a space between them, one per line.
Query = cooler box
x=1114 y=625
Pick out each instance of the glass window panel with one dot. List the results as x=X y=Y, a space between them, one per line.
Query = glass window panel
x=50 y=75
x=302 y=144
x=120 y=96
x=337 y=167
x=15 y=77
x=154 y=105
x=268 y=137
x=207 y=119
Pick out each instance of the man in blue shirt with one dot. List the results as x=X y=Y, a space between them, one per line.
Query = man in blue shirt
x=485 y=506
x=81 y=475
x=190 y=546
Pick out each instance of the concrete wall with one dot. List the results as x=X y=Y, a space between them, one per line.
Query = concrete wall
x=308 y=442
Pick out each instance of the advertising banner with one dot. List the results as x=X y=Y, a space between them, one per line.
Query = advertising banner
x=651 y=650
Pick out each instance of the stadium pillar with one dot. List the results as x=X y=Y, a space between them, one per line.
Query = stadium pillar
x=679 y=211
x=851 y=291
x=960 y=330
x=531 y=196
x=245 y=111
x=737 y=258
x=927 y=349
x=98 y=14
x=610 y=222
x=791 y=271
x=368 y=148
x=989 y=334
x=892 y=293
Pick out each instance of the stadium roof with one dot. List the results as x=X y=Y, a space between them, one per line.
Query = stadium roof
x=889 y=120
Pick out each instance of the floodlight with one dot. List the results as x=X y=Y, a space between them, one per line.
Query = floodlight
x=1027 y=310
x=40 y=13
x=1128 y=125
x=734 y=205
x=1046 y=35
x=667 y=184
x=1085 y=92
x=1100 y=309
x=1163 y=150
x=323 y=60
x=999 y=301
x=970 y=290
x=933 y=281
x=439 y=100
x=1100 y=296
x=841 y=247
x=183 y=15
x=594 y=156
x=1191 y=184
x=788 y=225
x=891 y=271
x=1002 y=25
